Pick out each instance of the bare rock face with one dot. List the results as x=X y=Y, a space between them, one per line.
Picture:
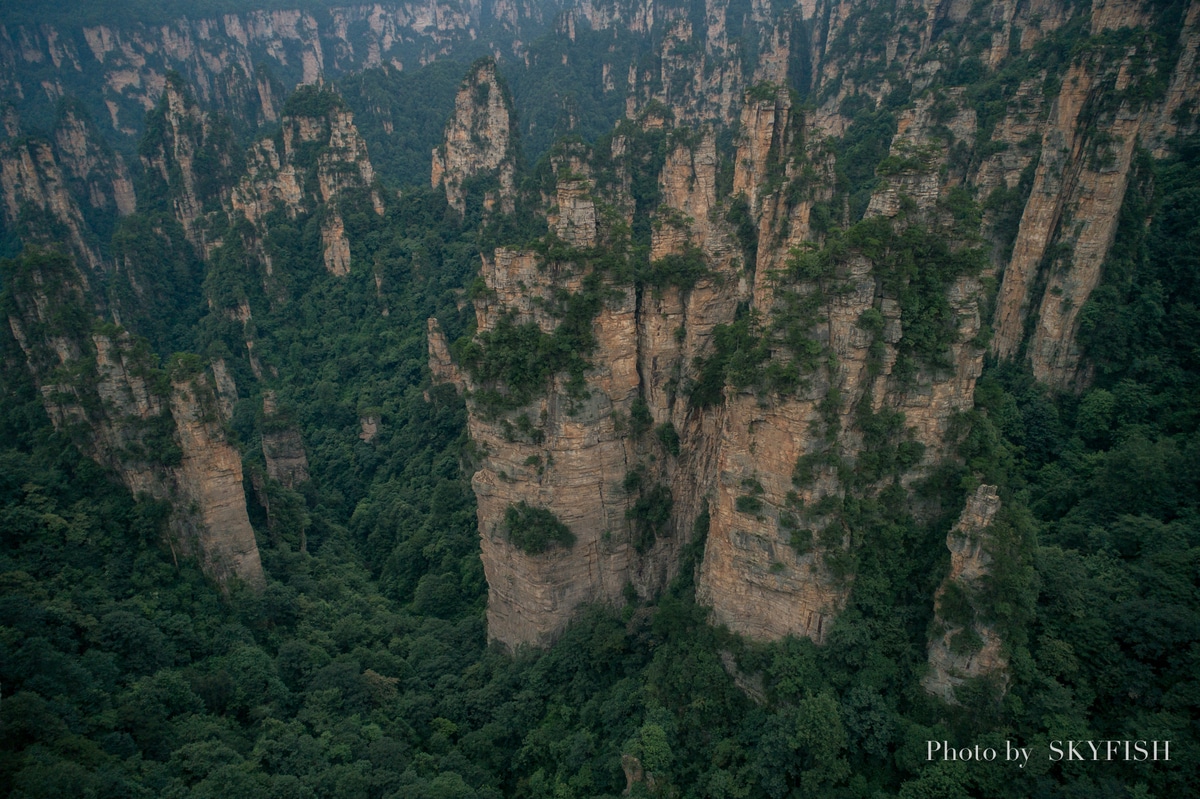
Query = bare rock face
x=278 y=170
x=1182 y=88
x=103 y=173
x=369 y=426
x=337 y=246
x=832 y=371
x=1092 y=186
x=124 y=68
x=961 y=651
x=283 y=449
x=730 y=459
x=34 y=175
x=478 y=139
x=568 y=455
x=169 y=445
x=575 y=222
x=209 y=477
x=193 y=157
x=778 y=560
x=1069 y=222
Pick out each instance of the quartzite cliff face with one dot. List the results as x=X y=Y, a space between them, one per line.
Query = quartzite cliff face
x=850 y=388
x=963 y=646
x=478 y=140
x=241 y=64
x=749 y=336
x=161 y=434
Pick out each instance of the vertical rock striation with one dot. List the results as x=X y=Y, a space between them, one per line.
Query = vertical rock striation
x=797 y=342
x=160 y=434
x=964 y=647
x=478 y=140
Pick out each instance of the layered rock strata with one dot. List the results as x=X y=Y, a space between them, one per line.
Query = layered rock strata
x=61 y=187
x=279 y=169
x=732 y=461
x=229 y=58
x=844 y=370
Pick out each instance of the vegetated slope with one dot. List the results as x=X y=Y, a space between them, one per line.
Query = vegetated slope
x=361 y=668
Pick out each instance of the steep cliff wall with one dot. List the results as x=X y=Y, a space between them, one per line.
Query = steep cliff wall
x=1068 y=224
x=839 y=377
x=242 y=64
x=963 y=646
x=190 y=159
x=309 y=167
x=69 y=188
x=685 y=407
x=794 y=346
x=478 y=140
x=161 y=434
x=282 y=446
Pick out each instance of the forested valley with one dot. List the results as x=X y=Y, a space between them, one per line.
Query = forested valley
x=361 y=667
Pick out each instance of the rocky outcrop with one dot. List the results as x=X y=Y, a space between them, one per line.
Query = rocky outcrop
x=214 y=524
x=316 y=160
x=831 y=385
x=100 y=385
x=962 y=646
x=282 y=447
x=67 y=188
x=191 y=159
x=734 y=460
x=104 y=177
x=228 y=58
x=562 y=452
x=478 y=140
x=1085 y=181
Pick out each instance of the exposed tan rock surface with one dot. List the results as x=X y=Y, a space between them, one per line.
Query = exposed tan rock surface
x=209 y=479
x=478 y=139
x=950 y=662
x=31 y=176
x=127 y=66
x=282 y=446
x=1072 y=151
x=118 y=418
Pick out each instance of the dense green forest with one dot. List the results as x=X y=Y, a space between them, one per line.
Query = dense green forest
x=362 y=670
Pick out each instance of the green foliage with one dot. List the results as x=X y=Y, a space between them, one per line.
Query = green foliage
x=363 y=669
x=863 y=147
x=402 y=115
x=678 y=270
x=737 y=354
x=762 y=92
x=748 y=504
x=650 y=514
x=312 y=101
x=522 y=359
x=669 y=438
x=801 y=540
x=738 y=215
x=536 y=530
x=640 y=418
